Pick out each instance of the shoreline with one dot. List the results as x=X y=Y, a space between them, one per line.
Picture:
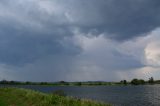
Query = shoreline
x=26 y=97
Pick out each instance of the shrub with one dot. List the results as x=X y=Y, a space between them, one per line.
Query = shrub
x=151 y=80
x=59 y=93
x=137 y=81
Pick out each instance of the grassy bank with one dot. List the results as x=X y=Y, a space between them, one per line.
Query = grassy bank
x=25 y=97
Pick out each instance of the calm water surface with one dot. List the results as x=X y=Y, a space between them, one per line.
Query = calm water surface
x=144 y=95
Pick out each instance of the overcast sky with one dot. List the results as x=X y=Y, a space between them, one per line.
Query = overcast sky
x=79 y=40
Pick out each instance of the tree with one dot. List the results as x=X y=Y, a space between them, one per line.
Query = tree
x=123 y=82
x=151 y=80
x=135 y=82
x=78 y=83
x=141 y=81
x=4 y=82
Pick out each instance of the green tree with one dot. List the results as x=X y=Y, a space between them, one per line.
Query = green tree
x=135 y=82
x=124 y=82
x=141 y=81
x=151 y=80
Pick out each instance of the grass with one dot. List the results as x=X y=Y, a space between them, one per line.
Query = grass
x=25 y=97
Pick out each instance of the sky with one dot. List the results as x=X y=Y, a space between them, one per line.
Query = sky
x=79 y=40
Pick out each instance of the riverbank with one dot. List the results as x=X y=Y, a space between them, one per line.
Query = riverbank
x=85 y=83
x=25 y=97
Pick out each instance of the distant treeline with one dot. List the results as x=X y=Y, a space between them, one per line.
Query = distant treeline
x=61 y=83
x=136 y=81
x=87 y=83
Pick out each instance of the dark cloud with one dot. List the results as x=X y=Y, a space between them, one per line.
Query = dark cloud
x=121 y=19
x=122 y=62
x=111 y=59
x=33 y=30
x=21 y=46
x=29 y=31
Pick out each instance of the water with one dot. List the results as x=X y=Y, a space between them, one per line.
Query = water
x=143 y=95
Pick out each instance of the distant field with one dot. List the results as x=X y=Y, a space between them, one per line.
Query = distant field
x=25 y=97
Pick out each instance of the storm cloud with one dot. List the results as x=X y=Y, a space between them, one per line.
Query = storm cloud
x=64 y=40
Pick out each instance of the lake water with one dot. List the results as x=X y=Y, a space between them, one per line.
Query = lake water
x=143 y=95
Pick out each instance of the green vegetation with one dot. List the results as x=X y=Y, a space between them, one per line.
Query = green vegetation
x=24 y=97
x=124 y=82
x=142 y=82
x=60 y=83
x=151 y=80
x=59 y=92
x=135 y=81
